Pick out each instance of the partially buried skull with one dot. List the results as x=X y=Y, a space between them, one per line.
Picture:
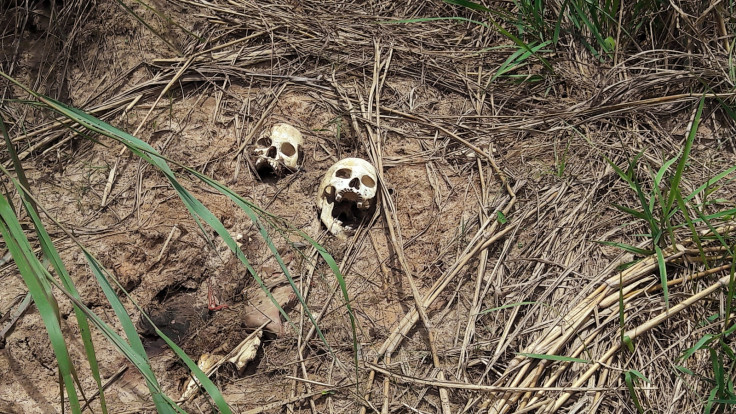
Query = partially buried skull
x=347 y=195
x=278 y=150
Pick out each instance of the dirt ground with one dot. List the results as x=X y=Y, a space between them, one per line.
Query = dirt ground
x=465 y=161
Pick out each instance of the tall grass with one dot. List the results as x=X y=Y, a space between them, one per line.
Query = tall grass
x=601 y=27
x=523 y=50
x=664 y=209
x=604 y=28
x=42 y=283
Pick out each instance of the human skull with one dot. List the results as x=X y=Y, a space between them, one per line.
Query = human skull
x=278 y=150
x=347 y=195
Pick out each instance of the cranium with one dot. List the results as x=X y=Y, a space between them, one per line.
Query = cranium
x=347 y=195
x=278 y=149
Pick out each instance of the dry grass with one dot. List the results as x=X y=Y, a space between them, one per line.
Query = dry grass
x=419 y=97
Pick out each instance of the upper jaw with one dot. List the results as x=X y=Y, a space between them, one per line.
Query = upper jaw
x=278 y=167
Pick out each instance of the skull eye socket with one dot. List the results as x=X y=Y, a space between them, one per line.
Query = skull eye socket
x=343 y=173
x=288 y=149
x=264 y=142
x=368 y=181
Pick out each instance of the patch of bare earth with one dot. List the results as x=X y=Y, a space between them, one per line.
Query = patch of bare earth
x=494 y=195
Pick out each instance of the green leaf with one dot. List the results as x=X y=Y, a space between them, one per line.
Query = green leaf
x=629 y=248
x=131 y=333
x=706 y=339
x=627 y=265
x=33 y=275
x=610 y=43
x=516 y=59
x=663 y=276
x=639 y=375
x=624 y=176
x=629 y=343
x=691 y=226
x=662 y=171
x=515 y=39
x=675 y=182
x=630 y=211
x=470 y=5
x=630 y=380
x=710 y=401
x=684 y=370
x=52 y=255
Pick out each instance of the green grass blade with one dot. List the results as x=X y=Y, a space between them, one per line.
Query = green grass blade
x=250 y=211
x=53 y=256
x=343 y=289
x=558 y=23
x=718 y=371
x=592 y=27
x=133 y=354
x=470 y=5
x=675 y=182
x=630 y=380
x=199 y=211
x=710 y=401
x=124 y=347
x=516 y=59
x=630 y=211
x=731 y=291
x=726 y=348
x=629 y=248
x=658 y=199
x=713 y=230
x=684 y=370
x=725 y=214
x=709 y=183
x=13 y=156
x=523 y=47
x=130 y=332
x=32 y=272
x=646 y=203
x=705 y=340
x=662 y=171
x=663 y=277
x=621 y=173
x=639 y=375
x=207 y=384
x=519 y=42
x=689 y=222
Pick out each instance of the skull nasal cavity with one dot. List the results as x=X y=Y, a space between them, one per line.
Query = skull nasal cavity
x=271 y=153
x=355 y=183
